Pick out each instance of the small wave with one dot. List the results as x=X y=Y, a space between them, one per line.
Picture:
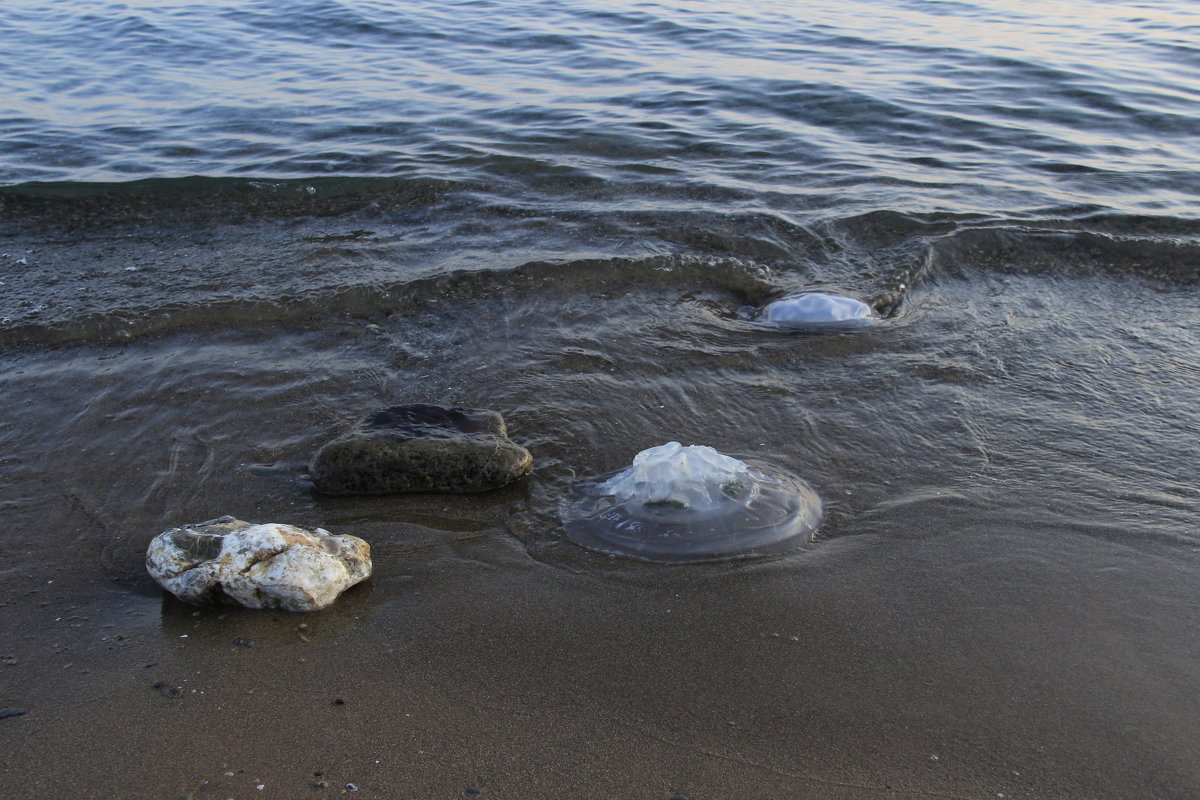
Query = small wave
x=741 y=282
x=1032 y=251
x=89 y=204
x=166 y=255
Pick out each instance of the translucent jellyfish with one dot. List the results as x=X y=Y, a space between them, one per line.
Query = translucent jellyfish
x=687 y=504
x=817 y=311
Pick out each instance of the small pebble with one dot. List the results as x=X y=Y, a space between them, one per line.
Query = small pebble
x=339 y=702
x=167 y=691
x=350 y=787
x=240 y=642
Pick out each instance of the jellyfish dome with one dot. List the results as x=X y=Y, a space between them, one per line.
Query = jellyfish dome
x=679 y=504
x=817 y=310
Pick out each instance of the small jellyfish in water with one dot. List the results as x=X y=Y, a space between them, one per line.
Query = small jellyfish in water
x=817 y=311
x=681 y=504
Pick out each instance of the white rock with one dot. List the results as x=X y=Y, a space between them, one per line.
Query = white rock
x=695 y=477
x=271 y=565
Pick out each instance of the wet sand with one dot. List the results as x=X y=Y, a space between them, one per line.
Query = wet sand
x=860 y=670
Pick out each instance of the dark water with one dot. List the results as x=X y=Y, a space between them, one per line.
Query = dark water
x=228 y=230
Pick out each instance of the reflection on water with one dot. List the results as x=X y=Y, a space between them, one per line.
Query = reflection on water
x=971 y=107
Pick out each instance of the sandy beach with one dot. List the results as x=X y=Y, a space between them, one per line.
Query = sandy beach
x=468 y=669
x=231 y=230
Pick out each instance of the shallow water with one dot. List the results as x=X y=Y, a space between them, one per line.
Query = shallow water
x=229 y=231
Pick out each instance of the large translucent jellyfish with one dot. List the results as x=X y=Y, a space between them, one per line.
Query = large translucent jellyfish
x=687 y=504
x=817 y=311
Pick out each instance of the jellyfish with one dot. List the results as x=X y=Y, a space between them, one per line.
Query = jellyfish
x=679 y=504
x=817 y=311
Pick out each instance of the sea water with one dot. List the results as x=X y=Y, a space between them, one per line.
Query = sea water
x=230 y=229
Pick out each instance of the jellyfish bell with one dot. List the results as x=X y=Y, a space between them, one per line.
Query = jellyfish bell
x=817 y=311
x=679 y=504
x=671 y=475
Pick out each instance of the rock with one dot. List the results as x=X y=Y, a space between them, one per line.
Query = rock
x=421 y=448
x=272 y=565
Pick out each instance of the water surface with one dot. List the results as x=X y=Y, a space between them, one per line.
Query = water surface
x=229 y=231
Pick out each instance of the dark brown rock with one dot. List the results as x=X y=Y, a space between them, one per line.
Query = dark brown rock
x=421 y=448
